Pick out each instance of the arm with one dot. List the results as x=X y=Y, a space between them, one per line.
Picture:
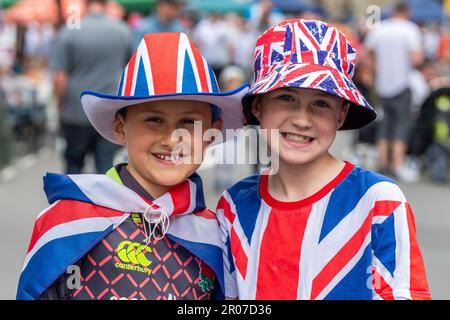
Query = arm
x=397 y=267
x=416 y=58
x=60 y=84
x=415 y=43
x=231 y=292
x=60 y=65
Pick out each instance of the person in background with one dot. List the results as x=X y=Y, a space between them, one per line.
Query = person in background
x=315 y=227
x=243 y=41
x=264 y=14
x=91 y=57
x=395 y=45
x=165 y=19
x=213 y=36
x=226 y=174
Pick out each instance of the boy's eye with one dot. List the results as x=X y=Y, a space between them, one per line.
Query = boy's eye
x=154 y=119
x=321 y=104
x=187 y=121
x=285 y=97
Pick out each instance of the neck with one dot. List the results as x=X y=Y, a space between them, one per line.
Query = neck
x=297 y=182
x=155 y=190
x=400 y=16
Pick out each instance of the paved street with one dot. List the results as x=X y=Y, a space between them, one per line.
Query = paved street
x=22 y=198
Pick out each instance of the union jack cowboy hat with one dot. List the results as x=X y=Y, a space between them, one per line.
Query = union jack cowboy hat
x=307 y=54
x=165 y=66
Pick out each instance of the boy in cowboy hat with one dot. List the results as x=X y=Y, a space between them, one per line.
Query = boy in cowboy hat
x=142 y=230
x=319 y=228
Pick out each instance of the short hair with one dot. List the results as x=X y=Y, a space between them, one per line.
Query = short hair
x=401 y=7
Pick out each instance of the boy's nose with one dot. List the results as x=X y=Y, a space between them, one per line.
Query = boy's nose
x=169 y=139
x=301 y=118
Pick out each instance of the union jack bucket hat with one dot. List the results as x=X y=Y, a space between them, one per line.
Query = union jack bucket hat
x=307 y=54
x=165 y=66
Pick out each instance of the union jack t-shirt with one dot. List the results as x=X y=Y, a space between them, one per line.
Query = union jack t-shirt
x=353 y=239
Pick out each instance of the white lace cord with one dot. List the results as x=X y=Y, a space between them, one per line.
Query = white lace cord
x=156 y=217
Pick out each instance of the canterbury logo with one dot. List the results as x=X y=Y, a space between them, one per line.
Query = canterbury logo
x=133 y=252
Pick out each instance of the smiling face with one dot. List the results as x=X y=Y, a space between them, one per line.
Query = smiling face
x=307 y=121
x=146 y=130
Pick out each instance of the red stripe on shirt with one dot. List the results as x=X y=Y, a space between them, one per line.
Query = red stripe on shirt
x=280 y=252
x=418 y=280
x=381 y=287
x=225 y=206
x=341 y=259
x=240 y=258
x=272 y=202
x=385 y=207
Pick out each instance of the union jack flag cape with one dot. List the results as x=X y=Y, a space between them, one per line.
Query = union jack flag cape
x=85 y=208
x=354 y=239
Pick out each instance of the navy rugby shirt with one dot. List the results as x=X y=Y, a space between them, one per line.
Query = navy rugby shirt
x=121 y=266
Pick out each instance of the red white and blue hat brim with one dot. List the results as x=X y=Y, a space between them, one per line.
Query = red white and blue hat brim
x=101 y=108
x=313 y=76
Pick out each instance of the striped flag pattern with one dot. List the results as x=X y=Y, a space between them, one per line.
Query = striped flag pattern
x=309 y=54
x=85 y=208
x=354 y=239
x=166 y=63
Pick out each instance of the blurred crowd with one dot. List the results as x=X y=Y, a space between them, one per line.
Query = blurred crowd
x=36 y=75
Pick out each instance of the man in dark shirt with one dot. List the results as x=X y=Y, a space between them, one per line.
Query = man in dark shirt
x=91 y=57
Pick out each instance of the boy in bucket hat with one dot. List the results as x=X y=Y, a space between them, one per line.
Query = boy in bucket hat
x=319 y=228
x=142 y=230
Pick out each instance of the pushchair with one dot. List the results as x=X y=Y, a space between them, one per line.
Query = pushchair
x=26 y=116
x=431 y=135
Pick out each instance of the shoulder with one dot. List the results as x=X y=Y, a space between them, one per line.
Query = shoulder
x=373 y=184
x=64 y=35
x=120 y=26
x=242 y=197
x=244 y=189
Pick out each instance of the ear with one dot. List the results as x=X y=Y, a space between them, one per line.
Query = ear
x=217 y=124
x=256 y=108
x=119 y=129
x=343 y=114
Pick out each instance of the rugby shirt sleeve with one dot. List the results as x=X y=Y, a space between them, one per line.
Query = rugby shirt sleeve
x=229 y=267
x=398 y=270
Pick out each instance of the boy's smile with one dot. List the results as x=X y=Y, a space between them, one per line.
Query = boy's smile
x=155 y=158
x=307 y=121
x=295 y=139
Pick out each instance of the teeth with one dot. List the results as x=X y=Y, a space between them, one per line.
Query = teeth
x=167 y=158
x=297 y=138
